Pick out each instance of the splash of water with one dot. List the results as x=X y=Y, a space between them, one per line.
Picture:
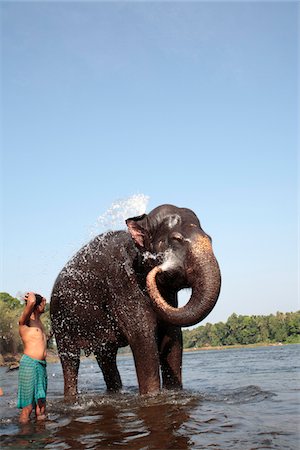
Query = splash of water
x=170 y=261
x=120 y=210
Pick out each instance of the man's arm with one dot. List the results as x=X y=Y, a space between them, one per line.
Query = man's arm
x=28 y=310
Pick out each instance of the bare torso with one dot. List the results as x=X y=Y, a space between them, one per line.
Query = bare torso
x=34 y=339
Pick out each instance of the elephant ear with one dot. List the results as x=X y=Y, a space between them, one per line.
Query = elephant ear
x=138 y=229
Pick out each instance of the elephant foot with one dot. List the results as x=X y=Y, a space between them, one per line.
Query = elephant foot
x=151 y=394
x=113 y=388
x=70 y=398
x=149 y=387
x=113 y=381
x=70 y=391
x=171 y=381
x=172 y=387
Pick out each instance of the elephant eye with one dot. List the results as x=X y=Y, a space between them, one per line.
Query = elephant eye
x=177 y=237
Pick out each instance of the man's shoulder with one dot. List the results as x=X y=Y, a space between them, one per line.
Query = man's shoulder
x=24 y=327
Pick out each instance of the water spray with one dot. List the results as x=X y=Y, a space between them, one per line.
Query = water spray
x=114 y=218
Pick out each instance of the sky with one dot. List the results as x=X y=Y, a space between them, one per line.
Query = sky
x=189 y=103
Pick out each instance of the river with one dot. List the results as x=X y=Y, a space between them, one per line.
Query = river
x=242 y=399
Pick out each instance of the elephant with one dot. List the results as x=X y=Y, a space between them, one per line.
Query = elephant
x=122 y=289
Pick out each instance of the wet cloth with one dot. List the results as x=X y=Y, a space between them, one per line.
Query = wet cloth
x=32 y=381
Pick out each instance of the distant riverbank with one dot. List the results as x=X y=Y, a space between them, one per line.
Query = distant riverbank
x=228 y=347
x=11 y=361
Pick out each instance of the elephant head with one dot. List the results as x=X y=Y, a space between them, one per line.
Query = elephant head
x=182 y=256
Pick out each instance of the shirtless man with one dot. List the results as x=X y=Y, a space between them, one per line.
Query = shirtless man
x=32 y=371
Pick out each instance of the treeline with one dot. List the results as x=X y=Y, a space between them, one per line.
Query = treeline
x=242 y=330
x=10 y=311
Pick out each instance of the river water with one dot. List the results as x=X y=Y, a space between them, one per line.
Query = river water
x=232 y=399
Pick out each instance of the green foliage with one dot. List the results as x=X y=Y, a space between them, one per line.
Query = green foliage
x=11 y=309
x=242 y=330
x=10 y=301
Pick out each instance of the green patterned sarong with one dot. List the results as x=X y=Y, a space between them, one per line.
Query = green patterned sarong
x=32 y=381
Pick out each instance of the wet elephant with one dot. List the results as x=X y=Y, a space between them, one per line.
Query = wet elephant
x=121 y=288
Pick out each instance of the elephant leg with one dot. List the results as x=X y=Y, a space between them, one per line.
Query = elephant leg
x=171 y=358
x=146 y=358
x=107 y=360
x=70 y=359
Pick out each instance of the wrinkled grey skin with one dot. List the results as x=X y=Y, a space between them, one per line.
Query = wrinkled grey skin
x=121 y=289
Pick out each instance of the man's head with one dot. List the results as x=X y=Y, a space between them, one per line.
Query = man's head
x=40 y=302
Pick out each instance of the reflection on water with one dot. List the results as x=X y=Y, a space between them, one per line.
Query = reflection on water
x=131 y=424
x=234 y=399
x=110 y=422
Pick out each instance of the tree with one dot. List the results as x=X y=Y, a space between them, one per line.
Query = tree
x=11 y=308
x=283 y=327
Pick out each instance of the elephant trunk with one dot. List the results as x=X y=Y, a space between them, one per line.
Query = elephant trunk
x=203 y=276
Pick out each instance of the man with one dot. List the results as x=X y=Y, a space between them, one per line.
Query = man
x=32 y=371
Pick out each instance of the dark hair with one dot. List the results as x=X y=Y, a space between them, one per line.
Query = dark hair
x=38 y=299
